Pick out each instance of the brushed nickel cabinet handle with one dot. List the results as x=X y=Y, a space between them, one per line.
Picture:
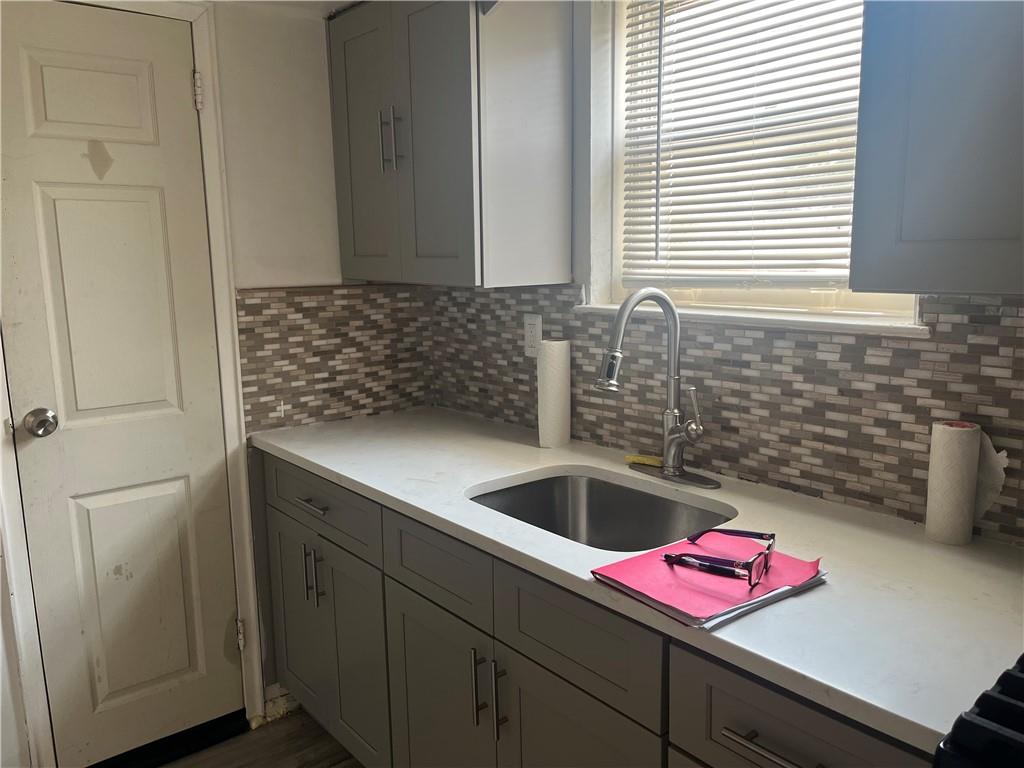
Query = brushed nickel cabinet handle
x=496 y=720
x=747 y=741
x=305 y=570
x=308 y=504
x=394 y=141
x=478 y=706
x=380 y=138
x=317 y=593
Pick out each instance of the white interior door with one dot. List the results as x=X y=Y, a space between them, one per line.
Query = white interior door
x=108 y=321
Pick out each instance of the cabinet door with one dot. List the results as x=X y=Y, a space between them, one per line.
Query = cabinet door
x=353 y=601
x=300 y=628
x=440 y=685
x=548 y=722
x=438 y=180
x=364 y=153
x=938 y=188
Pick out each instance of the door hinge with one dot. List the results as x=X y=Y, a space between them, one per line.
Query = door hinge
x=240 y=633
x=197 y=89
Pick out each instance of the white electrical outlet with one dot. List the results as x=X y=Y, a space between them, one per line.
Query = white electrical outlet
x=532 y=331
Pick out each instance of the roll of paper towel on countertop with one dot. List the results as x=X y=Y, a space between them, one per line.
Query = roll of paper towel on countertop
x=553 y=392
x=965 y=475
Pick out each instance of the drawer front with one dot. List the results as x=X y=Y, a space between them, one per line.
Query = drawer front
x=724 y=718
x=606 y=655
x=346 y=518
x=452 y=574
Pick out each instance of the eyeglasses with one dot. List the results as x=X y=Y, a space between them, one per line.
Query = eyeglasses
x=753 y=570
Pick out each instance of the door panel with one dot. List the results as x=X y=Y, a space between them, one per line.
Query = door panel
x=300 y=624
x=108 y=319
x=365 y=171
x=436 y=100
x=551 y=723
x=358 y=712
x=430 y=654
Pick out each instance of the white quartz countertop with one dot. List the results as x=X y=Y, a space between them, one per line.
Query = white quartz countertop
x=902 y=638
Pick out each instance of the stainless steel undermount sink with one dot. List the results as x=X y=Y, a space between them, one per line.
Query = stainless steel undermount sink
x=603 y=514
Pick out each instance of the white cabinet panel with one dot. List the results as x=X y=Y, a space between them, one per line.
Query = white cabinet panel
x=938 y=201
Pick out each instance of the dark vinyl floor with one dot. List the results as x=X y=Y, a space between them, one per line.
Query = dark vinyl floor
x=295 y=741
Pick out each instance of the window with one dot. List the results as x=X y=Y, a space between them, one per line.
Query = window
x=739 y=121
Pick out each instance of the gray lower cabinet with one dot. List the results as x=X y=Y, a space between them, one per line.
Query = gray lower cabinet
x=441 y=694
x=301 y=647
x=452 y=659
x=547 y=723
x=329 y=636
x=357 y=712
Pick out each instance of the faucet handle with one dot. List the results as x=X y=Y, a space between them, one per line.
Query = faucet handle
x=694 y=426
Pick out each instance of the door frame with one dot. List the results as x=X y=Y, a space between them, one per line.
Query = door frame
x=12 y=517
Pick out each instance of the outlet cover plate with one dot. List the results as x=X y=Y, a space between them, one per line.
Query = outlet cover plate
x=532 y=332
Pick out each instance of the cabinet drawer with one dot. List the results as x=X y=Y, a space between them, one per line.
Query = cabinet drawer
x=606 y=655
x=346 y=518
x=452 y=574
x=724 y=718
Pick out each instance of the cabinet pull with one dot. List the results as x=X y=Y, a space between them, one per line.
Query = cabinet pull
x=474 y=662
x=308 y=504
x=394 y=142
x=305 y=570
x=380 y=138
x=747 y=741
x=495 y=719
x=317 y=594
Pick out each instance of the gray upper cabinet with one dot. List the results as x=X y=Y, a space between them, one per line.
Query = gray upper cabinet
x=938 y=201
x=435 y=47
x=364 y=152
x=454 y=154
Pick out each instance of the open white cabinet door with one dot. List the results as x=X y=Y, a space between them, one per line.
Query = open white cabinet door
x=109 y=322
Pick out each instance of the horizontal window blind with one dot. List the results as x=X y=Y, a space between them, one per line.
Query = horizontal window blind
x=740 y=132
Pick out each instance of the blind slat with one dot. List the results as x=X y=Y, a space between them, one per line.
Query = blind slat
x=739 y=141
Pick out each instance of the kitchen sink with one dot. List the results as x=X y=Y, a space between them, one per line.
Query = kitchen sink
x=603 y=514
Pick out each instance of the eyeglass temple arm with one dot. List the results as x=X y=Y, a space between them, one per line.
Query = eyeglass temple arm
x=721 y=569
x=732 y=532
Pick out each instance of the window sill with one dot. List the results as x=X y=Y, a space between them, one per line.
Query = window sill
x=876 y=326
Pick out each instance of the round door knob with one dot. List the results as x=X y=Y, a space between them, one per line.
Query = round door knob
x=40 y=422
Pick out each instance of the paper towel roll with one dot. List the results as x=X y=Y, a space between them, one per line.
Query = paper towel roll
x=553 y=393
x=965 y=475
x=952 y=481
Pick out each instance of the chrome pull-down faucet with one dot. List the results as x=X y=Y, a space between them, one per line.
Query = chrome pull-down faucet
x=676 y=433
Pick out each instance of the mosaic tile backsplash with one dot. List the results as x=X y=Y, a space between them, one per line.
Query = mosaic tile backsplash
x=845 y=417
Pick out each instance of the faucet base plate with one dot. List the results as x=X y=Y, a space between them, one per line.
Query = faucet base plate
x=685 y=477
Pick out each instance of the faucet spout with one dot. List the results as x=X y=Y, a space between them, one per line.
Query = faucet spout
x=675 y=433
x=608 y=380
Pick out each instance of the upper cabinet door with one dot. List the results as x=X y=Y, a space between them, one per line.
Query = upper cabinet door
x=364 y=154
x=436 y=113
x=938 y=202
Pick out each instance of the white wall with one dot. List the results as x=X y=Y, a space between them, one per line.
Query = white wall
x=275 y=103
